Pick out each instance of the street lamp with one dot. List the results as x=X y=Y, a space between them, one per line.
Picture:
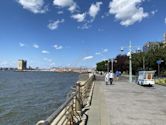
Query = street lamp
x=112 y=64
x=108 y=65
x=129 y=54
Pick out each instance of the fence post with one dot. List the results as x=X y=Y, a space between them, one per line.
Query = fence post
x=78 y=104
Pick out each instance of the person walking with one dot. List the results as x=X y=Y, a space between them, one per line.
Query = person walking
x=111 y=77
x=117 y=75
x=107 y=78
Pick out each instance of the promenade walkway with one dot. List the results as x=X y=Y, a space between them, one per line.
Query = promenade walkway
x=126 y=103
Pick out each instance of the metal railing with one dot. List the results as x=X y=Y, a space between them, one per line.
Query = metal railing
x=70 y=112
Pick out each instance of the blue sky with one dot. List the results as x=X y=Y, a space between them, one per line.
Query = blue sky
x=50 y=33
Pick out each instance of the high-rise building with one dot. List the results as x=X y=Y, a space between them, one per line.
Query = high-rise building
x=150 y=45
x=22 y=65
x=164 y=38
x=154 y=44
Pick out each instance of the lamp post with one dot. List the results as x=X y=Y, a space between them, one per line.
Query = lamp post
x=143 y=63
x=130 y=63
x=108 y=65
x=129 y=54
x=112 y=64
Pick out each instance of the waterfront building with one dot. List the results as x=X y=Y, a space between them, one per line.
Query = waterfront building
x=164 y=41
x=154 y=44
x=150 y=45
x=22 y=65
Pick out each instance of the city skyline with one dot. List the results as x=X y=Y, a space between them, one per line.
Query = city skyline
x=54 y=33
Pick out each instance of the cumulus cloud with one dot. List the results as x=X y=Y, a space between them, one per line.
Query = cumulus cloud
x=60 y=12
x=98 y=53
x=55 y=24
x=21 y=44
x=72 y=8
x=79 y=17
x=66 y=3
x=154 y=12
x=63 y=3
x=52 y=64
x=85 y=26
x=94 y=9
x=105 y=50
x=36 y=46
x=105 y=15
x=102 y=52
x=58 y=46
x=127 y=11
x=45 y=52
x=88 y=58
x=35 y=6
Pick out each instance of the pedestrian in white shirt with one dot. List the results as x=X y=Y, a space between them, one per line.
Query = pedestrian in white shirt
x=111 y=77
x=107 y=78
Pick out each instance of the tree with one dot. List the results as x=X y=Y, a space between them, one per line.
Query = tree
x=102 y=66
x=139 y=60
x=122 y=63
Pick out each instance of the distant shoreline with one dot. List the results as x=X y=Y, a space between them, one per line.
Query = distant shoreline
x=41 y=71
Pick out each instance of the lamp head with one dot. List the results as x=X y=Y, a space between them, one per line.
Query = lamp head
x=122 y=49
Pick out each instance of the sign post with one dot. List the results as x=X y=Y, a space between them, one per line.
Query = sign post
x=158 y=63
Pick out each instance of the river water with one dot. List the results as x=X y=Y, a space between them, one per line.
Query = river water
x=26 y=97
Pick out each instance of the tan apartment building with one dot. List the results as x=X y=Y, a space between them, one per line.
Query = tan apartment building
x=22 y=64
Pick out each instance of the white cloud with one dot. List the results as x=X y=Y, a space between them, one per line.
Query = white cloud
x=127 y=11
x=21 y=44
x=58 y=46
x=105 y=15
x=36 y=46
x=52 y=64
x=94 y=9
x=60 y=12
x=102 y=52
x=85 y=26
x=105 y=50
x=98 y=53
x=55 y=24
x=72 y=8
x=88 y=57
x=44 y=52
x=154 y=12
x=63 y=3
x=35 y=6
x=79 y=17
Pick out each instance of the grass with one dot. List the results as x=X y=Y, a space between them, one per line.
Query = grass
x=161 y=81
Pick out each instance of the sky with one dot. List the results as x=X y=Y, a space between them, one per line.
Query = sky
x=74 y=33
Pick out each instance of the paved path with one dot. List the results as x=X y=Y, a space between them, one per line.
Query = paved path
x=126 y=103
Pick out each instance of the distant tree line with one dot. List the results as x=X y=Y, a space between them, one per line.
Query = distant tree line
x=140 y=61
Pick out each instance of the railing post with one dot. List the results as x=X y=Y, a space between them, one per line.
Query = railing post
x=78 y=104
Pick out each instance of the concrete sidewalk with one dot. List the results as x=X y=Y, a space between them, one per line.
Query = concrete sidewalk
x=126 y=103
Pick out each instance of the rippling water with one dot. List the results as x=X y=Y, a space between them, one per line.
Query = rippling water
x=26 y=97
